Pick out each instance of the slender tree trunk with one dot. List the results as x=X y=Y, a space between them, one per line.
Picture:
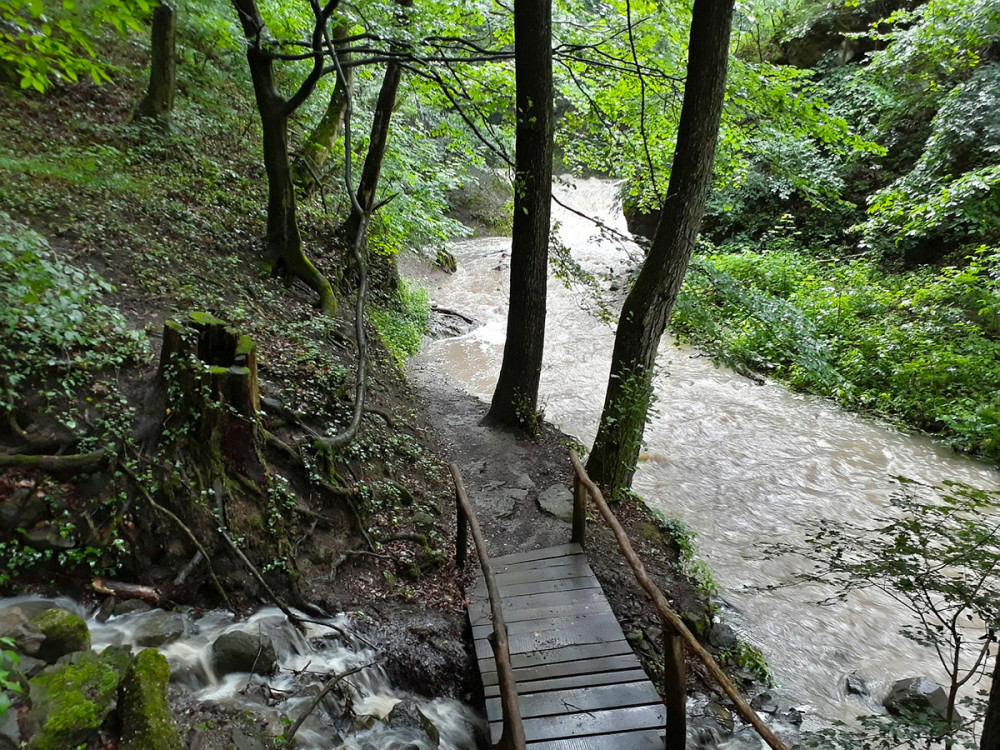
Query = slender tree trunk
x=158 y=104
x=515 y=400
x=648 y=305
x=316 y=150
x=284 y=252
x=991 y=724
x=372 y=169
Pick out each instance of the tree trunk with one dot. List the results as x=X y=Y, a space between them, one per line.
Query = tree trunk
x=648 y=305
x=284 y=252
x=158 y=104
x=376 y=149
x=991 y=724
x=308 y=167
x=515 y=399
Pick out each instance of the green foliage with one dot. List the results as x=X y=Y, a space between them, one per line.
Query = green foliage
x=692 y=565
x=51 y=322
x=952 y=194
x=911 y=729
x=8 y=683
x=921 y=348
x=750 y=659
x=401 y=326
x=48 y=40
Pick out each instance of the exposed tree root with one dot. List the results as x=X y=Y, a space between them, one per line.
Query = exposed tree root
x=278 y=601
x=72 y=462
x=183 y=527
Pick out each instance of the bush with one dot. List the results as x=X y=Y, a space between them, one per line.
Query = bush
x=920 y=348
x=402 y=326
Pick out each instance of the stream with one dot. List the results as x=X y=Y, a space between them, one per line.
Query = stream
x=368 y=714
x=739 y=463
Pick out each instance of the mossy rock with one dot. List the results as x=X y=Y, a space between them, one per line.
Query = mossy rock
x=70 y=701
x=650 y=533
x=147 y=723
x=64 y=633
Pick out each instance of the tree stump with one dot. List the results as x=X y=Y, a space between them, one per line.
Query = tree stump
x=211 y=391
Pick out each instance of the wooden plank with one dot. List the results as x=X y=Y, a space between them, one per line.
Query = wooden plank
x=583 y=620
x=543 y=587
x=589 y=724
x=570 y=567
x=591 y=604
x=537 y=554
x=583 y=699
x=513 y=605
x=644 y=739
x=526 y=687
x=525 y=567
x=568 y=668
x=583 y=652
x=545 y=640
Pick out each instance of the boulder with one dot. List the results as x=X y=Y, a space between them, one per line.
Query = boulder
x=407 y=715
x=14 y=624
x=158 y=627
x=22 y=510
x=48 y=537
x=916 y=694
x=239 y=651
x=147 y=723
x=70 y=700
x=112 y=607
x=855 y=685
x=557 y=501
x=722 y=636
x=64 y=633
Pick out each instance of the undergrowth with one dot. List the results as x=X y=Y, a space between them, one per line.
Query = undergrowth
x=401 y=323
x=919 y=348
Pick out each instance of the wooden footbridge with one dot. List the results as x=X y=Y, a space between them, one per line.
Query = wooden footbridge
x=557 y=671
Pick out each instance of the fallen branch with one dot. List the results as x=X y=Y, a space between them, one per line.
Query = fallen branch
x=72 y=462
x=122 y=590
x=330 y=685
x=453 y=313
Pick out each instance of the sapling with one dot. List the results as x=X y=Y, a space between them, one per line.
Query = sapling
x=939 y=557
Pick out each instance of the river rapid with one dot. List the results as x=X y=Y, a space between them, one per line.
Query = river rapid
x=739 y=463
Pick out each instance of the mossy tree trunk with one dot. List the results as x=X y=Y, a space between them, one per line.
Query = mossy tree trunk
x=515 y=398
x=372 y=169
x=991 y=724
x=158 y=104
x=308 y=166
x=646 y=310
x=284 y=252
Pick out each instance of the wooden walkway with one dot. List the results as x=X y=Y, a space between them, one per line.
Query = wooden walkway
x=580 y=685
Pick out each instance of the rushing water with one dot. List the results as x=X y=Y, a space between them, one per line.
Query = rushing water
x=738 y=462
x=305 y=661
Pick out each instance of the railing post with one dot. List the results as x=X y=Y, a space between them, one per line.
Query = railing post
x=462 y=535
x=674 y=688
x=579 y=511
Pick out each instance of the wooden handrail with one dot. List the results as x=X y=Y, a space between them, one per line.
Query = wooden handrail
x=513 y=730
x=670 y=618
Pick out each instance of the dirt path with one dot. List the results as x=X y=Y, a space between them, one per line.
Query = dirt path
x=503 y=473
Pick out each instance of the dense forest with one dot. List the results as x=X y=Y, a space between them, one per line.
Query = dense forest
x=204 y=330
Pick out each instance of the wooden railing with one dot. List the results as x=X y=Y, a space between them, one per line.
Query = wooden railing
x=676 y=633
x=513 y=730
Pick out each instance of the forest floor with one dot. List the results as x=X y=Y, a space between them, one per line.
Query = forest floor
x=176 y=224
